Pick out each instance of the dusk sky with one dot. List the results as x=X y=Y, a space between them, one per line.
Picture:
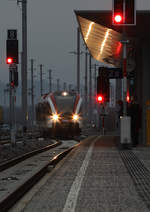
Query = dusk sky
x=51 y=33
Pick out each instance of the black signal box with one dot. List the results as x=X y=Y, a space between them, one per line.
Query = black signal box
x=12 y=50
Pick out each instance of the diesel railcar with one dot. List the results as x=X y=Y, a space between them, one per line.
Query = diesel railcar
x=60 y=113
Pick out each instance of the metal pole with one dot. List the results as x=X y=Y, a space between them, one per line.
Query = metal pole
x=70 y=87
x=65 y=86
x=13 y=140
x=124 y=42
x=15 y=110
x=41 y=79
x=4 y=96
x=32 y=91
x=95 y=92
x=124 y=78
x=78 y=60
x=58 y=86
x=103 y=119
x=22 y=90
x=24 y=62
x=95 y=82
x=50 y=80
x=125 y=121
x=90 y=87
x=86 y=90
x=10 y=98
x=12 y=104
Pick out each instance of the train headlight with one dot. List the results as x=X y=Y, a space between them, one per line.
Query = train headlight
x=75 y=117
x=64 y=93
x=55 y=117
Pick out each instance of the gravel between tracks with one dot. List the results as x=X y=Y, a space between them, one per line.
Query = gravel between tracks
x=8 y=152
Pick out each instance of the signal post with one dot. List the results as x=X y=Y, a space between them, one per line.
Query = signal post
x=102 y=95
x=13 y=80
x=12 y=61
x=124 y=14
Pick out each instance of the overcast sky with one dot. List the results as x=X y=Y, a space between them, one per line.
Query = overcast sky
x=51 y=33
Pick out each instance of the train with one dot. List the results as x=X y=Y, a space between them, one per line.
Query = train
x=59 y=113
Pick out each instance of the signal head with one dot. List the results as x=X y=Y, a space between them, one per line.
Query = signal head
x=118 y=18
x=128 y=98
x=12 y=84
x=100 y=98
x=9 y=60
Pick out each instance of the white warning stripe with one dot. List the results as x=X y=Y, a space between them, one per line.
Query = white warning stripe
x=52 y=105
x=71 y=201
x=78 y=106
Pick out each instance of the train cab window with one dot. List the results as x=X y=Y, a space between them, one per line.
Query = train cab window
x=65 y=103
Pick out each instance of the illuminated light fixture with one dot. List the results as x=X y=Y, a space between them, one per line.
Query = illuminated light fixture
x=89 y=30
x=100 y=98
x=12 y=84
x=64 y=93
x=75 y=117
x=55 y=117
x=9 y=60
x=128 y=98
x=104 y=41
x=118 y=18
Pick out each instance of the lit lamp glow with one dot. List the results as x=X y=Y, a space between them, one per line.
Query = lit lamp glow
x=55 y=117
x=118 y=18
x=75 y=117
x=9 y=60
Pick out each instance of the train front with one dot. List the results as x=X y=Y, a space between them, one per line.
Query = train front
x=59 y=113
x=69 y=116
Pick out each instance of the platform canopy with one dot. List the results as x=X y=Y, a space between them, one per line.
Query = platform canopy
x=103 y=39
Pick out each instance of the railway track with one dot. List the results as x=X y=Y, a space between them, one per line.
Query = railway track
x=10 y=163
x=7 y=139
x=27 y=173
x=137 y=170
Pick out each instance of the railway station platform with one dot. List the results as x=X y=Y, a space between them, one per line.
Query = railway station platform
x=95 y=177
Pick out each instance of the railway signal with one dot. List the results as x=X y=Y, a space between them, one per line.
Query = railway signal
x=117 y=12
x=128 y=98
x=127 y=12
x=118 y=18
x=12 y=84
x=12 y=47
x=100 y=98
x=12 y=50
x=9 y=60
x=103 y=85
x=12 y=60
x=123 y=12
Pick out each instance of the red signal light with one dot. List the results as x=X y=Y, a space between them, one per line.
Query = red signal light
x=9 y=60
x=118 y=18
x=100 y=98
x=128 y=98
x=12 y=84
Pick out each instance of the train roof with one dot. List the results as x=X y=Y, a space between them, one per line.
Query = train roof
x=60 y=93
x=44 y=97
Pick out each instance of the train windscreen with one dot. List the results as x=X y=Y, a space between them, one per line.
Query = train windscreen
x=65 y=103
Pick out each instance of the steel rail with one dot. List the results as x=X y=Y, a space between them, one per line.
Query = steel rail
x=10 y=163
x=12 y=198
